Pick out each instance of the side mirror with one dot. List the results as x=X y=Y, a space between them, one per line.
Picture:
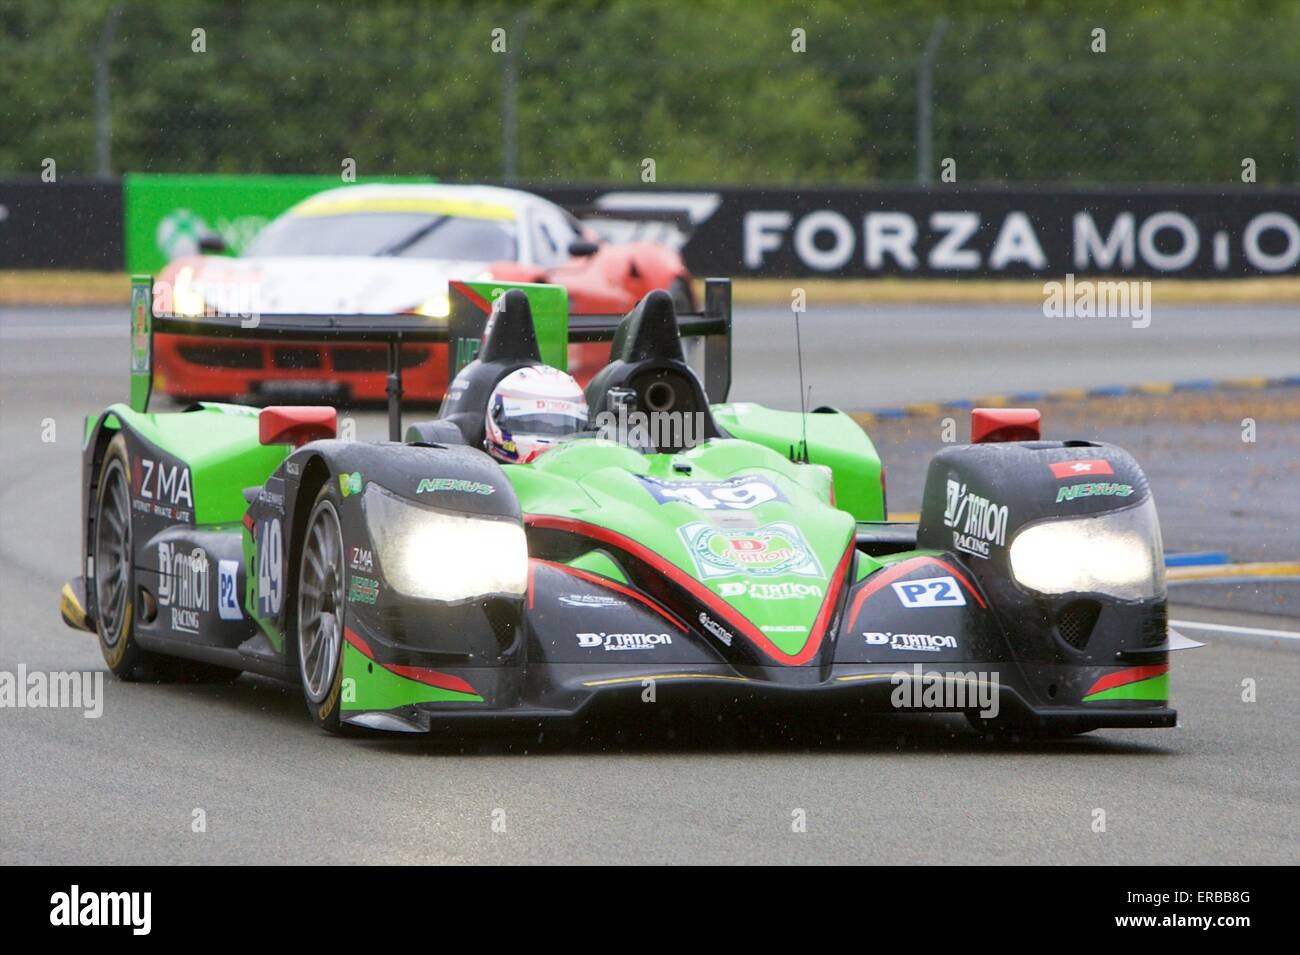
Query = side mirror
x=1004 y=424
x=296 y=424
x=212 y=245
x=580 y=248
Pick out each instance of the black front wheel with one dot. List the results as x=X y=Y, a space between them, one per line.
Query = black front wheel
x=321 y=596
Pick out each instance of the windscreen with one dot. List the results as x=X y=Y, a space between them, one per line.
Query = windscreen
x=398 y=234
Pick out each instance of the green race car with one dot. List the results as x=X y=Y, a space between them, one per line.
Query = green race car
x=679 y=554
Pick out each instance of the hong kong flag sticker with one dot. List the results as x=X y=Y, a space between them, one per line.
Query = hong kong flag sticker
x=1085 y=468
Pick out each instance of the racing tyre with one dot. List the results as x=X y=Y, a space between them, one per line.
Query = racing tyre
x=321 y=605
x=115 y=593
x=114 y=573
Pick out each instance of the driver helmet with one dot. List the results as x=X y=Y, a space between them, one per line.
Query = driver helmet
x=531 y=410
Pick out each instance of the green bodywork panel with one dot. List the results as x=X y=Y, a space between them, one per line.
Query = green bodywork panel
x=834 y=439
x=868 y=565
x=374 y=688
x=790 y=545
x=1152 y=688
x=268 y=626
x=219 y=443
x=597 y=562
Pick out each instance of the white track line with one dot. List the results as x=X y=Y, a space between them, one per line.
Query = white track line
x=1224 y=628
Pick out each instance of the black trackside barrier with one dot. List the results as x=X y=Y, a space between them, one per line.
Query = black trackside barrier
x=68 y=224
x=951 y=231
x=944 y=231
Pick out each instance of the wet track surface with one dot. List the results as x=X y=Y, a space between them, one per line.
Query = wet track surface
x=1214 y=491
x=1222 y=787
x=902 y=354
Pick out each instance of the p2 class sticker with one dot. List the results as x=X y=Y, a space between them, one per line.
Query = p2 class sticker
x=929 y=592
x=735 y=494
x=228 y=590
x=270 y=568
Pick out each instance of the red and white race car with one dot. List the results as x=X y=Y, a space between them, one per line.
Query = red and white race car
x=383 y=249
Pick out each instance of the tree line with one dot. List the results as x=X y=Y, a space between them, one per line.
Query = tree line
x=730 y=91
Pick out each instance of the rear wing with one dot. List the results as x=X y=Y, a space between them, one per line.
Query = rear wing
x=678 y=217
x=470 y=305
x=621 y=225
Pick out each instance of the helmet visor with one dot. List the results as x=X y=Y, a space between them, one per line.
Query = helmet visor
x=549 y=417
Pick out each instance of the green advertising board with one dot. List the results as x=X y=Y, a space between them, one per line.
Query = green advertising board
x=166 y=215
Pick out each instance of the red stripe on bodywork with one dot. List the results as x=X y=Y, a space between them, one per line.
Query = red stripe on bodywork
x=615 y=586
x=961 y=578
x=833 y=592
x=1125 y=677
x=351 y=637
x=890 y=574
x=482 y=304
x=701 y=593
x=444 y=681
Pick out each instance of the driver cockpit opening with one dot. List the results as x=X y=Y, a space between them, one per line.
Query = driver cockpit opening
x=508 y=402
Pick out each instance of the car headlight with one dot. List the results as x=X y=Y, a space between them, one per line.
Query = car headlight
x=439 y=306
x=187 y=298
x=1117 y=553
x=438 y=555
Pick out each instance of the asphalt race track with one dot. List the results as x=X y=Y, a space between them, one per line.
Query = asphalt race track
x=918 y=353
x=1223 y=787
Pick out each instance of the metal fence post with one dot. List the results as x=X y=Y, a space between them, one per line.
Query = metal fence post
x=509 y=115
x=924 y=109
x=103 y=122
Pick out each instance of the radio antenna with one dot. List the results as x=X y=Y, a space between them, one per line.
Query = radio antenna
x=802 y=456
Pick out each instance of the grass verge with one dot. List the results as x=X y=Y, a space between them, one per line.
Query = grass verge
x=21 y=287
